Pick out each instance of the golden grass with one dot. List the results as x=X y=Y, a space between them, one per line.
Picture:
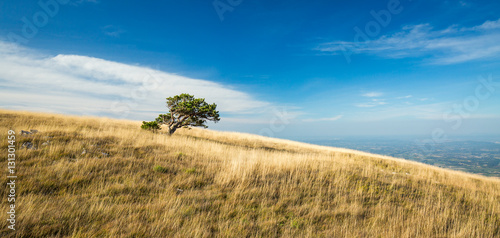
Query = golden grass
x=233 y=185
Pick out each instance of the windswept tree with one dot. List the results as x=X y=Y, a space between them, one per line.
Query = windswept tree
x=187 y=111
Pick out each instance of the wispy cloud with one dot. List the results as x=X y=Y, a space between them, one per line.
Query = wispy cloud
x=373 y=101
x=447 y=46
x=78 y=84
x=404 y=97
x=323 y=119
x=113 y=31
x=422 y=111
x=371 y=104
x=372 y=94
x=81 y=2
x=84 y=1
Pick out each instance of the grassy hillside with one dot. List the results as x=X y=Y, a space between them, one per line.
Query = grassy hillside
x=93 y=177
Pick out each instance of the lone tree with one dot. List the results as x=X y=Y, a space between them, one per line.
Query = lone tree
x=187 y=111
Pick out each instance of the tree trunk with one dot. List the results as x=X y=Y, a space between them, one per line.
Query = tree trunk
x=172 y=127
x=171 y=130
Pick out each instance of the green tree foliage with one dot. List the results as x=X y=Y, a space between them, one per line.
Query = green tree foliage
x=150 y=126
x=187 y=111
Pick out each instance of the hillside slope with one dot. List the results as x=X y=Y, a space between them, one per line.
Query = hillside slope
x=96 y=177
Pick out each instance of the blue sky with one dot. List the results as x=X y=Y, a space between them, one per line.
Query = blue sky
x=279 y=68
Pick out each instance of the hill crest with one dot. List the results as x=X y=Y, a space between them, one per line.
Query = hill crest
x=105 y=177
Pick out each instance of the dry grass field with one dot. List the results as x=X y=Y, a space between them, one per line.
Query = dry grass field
x=97 y=177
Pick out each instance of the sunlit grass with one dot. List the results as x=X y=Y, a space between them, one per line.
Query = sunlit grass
x=100 y=177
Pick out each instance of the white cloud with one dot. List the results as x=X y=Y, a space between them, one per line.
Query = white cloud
x=84 y=1
x=463 y=3
x=448 y=46
x=371 y=104
x=488 y=25
x=404 y=97
x=112 y=31
x=323 y=119
x=72 y=83
x=427 y=111
x=372 y=94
